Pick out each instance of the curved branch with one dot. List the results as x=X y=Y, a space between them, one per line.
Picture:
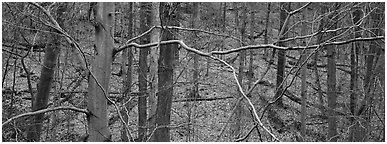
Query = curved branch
x=44 y=111
x=259 y=46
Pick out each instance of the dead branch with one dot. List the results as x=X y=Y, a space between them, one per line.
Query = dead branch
x=44 y=111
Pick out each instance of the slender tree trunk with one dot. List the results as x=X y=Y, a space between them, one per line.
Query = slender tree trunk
x=194 y=93
x=250 y=72
x=266 y=38
x=331 y=82
x=143 y=72
x=195 y=24
x=235 y=127
x=128 y=81
x=316 y=59
x=281 y=54
x=155 y=37
x=101 y=68
x=224 y=21
x=355 y=132
x=165 y=76
x=303 y=81
x=46 y=77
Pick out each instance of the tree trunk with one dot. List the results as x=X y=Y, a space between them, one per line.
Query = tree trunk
x=46 y=77
x=128 y=81
x=195 y=76
x=224 y=21
x=315 y=69
x=304 y=54
x=331 y=81
x=165 y=76
x=266 y=38
x=281 y=54
x=236 y=123
x=194 y=91
x=155 y=37
x=101 y=68
x=354 y=131
x=250 y=72
x=143 y=71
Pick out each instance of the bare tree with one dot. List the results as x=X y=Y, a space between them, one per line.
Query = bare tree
x=331 y=78
x=100 y=74
x=281 y=53
x=46 y=78
x=129 y=72
x=153 y=67
x=165 y=75
x=143 y=71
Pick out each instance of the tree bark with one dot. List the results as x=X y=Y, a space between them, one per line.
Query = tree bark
x=165 y=76
x=266 y=38
x=236 y=123
x=194 y=91
x=195 y=76
x=128 y=81
x=354 y=131
x=250 y=72
x=315 y=69
x=46 y=78
x=331 y=80
x=153 y=66
x=143 y=71
x=281 y=53
x=304 y=54
x=101 y=68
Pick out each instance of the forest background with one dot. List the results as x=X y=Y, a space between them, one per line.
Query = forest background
x=190 y=71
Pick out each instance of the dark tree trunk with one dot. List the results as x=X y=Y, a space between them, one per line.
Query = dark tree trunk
x=331 y=80
x=143 y=71
x=354 y=131
x=165 y=76
x=128 y=81
x=46 y=77
x=304 y=92
x=154 y=56
x=281 y=53
x=266 y=38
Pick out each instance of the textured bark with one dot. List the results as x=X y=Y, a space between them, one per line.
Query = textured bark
x=165 y=76
x=101 y=68
x=40 y=101
x=143 y=71
x=128 y=81
x=153 y=66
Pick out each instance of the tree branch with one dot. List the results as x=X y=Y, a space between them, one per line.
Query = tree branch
x=44 y=111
